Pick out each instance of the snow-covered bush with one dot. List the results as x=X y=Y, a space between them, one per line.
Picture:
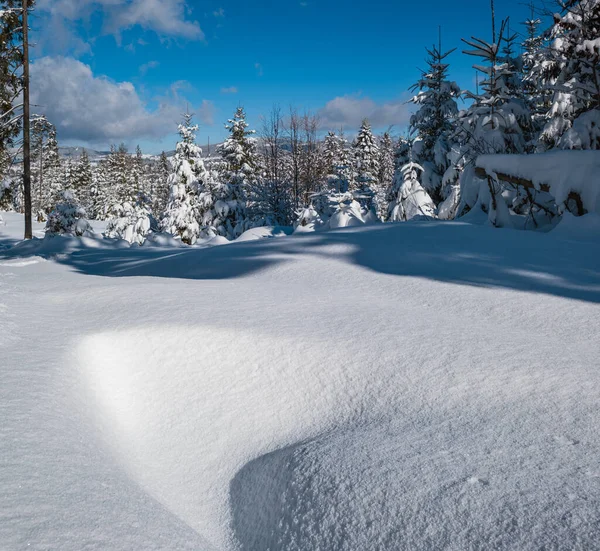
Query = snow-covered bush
x=330 y=210
x=308 y=220
x=129 y=222
x=348 y=212
x=410 y=199
x=68 y=217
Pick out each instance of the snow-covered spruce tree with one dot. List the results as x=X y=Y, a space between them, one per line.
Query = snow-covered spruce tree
x=492 y=124
x=571 y=68
x=68 y=217
x=239 y=175
x=180 y=218
x=432 y=124
x=120 y=174
x=47 y=171
x=386 y=173
x=411 y=200
x=81 y=180
x=39 y=127
x=158 y=183
x=131 y=222
x=338 y=164
x=103 y=193
x=366 y=166
x=535 y=91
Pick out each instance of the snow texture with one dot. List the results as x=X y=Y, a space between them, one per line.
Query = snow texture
x=411 y=386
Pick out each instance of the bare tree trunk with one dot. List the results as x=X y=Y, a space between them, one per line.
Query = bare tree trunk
x=26 y=137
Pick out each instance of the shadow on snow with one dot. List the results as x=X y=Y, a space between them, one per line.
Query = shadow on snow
x=443 y=251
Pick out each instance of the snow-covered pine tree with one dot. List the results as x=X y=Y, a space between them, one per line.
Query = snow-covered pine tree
x=571 y=68
x=386 y=174
x=410 y=200
x=39 y=127
x=366 y=165
x=338 y=164
x=492 y=124
x=120 y=174
x=239 y=175
x=81 y=180
x=159 y=188
x=130 y=222
x=68 y=217
x=534 y=88
x=138 y=174
x=188 y=176
x=433 y=122
x=102 y=194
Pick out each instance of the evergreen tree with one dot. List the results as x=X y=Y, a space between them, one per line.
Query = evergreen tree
x=496 y=122
x=386 y=173
x=229 y=195
x=188 y=177
x=81 y=180
x=433 y=122
x=411 y=200
x=102 y=196
x=338 y=165
x=129 y=222
x=159 y=184
x=40 y=131
x=570 y=67
x=366 y=164
x=138 y=176
x=11 y=63
x=534 y=88
x=68 y=217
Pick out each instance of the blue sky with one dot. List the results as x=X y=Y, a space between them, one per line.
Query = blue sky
x=107 y=71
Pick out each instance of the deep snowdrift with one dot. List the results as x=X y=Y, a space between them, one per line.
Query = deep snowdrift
x=411 y=386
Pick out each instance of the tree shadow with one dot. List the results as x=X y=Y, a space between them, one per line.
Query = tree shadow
x=479 y=256
x=450 y=252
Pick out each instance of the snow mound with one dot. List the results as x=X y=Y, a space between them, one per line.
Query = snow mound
x=579 y=228
x=276 y=446
x=160 y=239
x=265 y=232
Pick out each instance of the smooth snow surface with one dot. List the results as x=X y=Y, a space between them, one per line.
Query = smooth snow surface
x=415 y=386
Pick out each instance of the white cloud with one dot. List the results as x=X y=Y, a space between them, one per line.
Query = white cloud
x=167 y=18
x=219 y=13
x=230 y=90
x=147 y=66
x=259 y=69
x=92 y=109
x=349 y=111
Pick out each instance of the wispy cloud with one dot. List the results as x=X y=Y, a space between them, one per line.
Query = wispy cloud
x=167 y=18
x=219 y=13
x=230 y=90
x=259 y=69
x=147 y=66
x=349 y=111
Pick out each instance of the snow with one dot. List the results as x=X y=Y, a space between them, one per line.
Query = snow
x=397 y=386
x=563 y=171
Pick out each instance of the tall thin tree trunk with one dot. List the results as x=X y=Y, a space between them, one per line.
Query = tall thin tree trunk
x=26 y=137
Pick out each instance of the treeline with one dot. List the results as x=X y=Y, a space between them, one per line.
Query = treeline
x=534 y=95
